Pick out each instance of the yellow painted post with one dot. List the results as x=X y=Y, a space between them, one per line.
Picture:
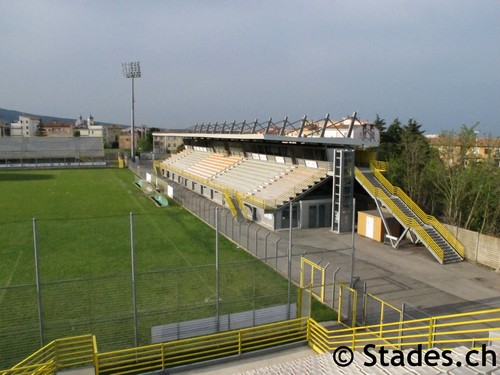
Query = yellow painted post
x=354 y=305
x=239 y=342
x=162 y=357
x=354 y=339
x=308 y=331
x=299 y=301
x=430 y=340
x=95 y=355
x=301 y=272
x=381 y=317
x=323 y=278
x=339 y=315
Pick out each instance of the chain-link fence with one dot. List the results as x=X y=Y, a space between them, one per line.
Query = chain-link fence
x=119 y=277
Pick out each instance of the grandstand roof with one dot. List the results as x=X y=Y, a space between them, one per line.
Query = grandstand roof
x=302 y=131
x=342 y=141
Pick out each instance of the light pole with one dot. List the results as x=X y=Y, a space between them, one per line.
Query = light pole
x=132 y=70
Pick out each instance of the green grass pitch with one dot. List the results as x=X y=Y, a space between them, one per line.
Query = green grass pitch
x=83 y=238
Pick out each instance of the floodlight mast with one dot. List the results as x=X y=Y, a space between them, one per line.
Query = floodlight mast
x=132 y=70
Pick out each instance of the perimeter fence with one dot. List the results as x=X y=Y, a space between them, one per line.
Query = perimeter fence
x=123 y=278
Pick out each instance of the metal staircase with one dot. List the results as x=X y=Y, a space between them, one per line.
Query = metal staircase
x=427 y=229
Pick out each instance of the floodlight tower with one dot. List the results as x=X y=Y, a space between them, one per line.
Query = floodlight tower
x=132 y=70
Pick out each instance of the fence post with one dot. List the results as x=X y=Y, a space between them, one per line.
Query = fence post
x=257 y=241
x=276 y=254
x=217 y=267
x=134 y=297
x=430 y=341
x=401 y=320
x=365 y=298
x=95 y=356
x=248 y=235
x=381 y=317
x=289 y=271
x=38 y=284
x=265 y=247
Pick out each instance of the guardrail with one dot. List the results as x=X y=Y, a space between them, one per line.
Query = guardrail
x=266 y=204
x=471 y=329
x=405 y=220
x=426 y=219
x=182 y=352
x=58 y=354
x=447 y=331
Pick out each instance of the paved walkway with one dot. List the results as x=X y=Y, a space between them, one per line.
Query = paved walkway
x=410 y=274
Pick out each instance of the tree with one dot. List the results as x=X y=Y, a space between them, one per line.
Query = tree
x=411 y=160
x=390 y=140
x=470 y=186
x=146 y=142
x=40 y=131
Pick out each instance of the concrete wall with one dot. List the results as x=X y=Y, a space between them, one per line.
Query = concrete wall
x=479 y=248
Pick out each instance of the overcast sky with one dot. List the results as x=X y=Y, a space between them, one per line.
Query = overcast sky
x=205 y=61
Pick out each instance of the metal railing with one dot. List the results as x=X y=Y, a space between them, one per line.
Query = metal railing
x=58 y=354
x=427 y=219
x=202 y=348
x=405 y=220
x=249 y=198
x=471 y=329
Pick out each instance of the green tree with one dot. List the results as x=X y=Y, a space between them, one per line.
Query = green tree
x=412 y=161
x=390 y=140
x=39 y=131
x=146 y=142
x=470 y=186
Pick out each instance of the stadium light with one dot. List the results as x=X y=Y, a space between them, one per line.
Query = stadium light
x=132 y=70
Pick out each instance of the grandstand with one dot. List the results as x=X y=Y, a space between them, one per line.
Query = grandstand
x=260 y=170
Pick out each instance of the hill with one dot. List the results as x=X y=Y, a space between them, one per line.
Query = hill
x=12 y=116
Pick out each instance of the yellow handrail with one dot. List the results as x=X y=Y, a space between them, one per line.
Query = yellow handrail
x=446 y=331
x=175 y=353
x=63 y=353
x=407 y=221
x=440 y=331
x=230 y=203
x=426 y=219
x=251 y=199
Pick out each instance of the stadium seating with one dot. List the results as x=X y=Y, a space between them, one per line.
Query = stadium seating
x=249 y=174
x=291 y=183
x=212 y=164
x=270 y=181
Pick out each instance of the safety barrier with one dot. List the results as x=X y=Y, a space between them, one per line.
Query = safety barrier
x=58 y=354
x=407 y=221
x=427 y=219
x=471 y=329
x=197 y=349
x=230 y=203
x=312 y=276
x=243 y=209
x=249 y=198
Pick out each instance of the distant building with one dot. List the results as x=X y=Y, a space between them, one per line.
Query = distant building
x=26 y=126
x=112 y=135
x=483 y=148
x=4 y=128
x=125 y=140
x=57 y=129
x=164 y=143
x=90 y=129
